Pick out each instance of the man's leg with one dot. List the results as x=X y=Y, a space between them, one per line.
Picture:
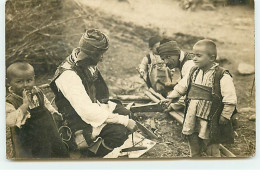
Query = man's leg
x=195 y=145
x=113 y=135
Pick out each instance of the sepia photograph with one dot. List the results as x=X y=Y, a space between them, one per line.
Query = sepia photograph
x=129 y=79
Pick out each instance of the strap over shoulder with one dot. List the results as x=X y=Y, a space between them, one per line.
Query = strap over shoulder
x=149 y=58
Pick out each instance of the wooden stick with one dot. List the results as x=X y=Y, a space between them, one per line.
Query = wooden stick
x=225 y=151
x=44 y=85
x=132 y=98
x=151 y=96
x=158 y=95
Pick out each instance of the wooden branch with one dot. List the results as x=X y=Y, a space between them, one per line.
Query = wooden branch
x=151 y=96
x=225 y=151
x=132 y=98
x=51 y=24
x=44 y=86
x=158 y=95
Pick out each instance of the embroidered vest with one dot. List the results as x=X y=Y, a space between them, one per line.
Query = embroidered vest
x=96 y=89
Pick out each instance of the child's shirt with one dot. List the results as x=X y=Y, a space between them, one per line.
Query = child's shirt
x=201 y=108
x=155 y=59
x=156 y=70
x=15 y=117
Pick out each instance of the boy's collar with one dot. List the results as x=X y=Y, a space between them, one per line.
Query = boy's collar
x=212 y=67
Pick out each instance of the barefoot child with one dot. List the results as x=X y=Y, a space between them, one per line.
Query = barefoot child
x=211 y=101
x=28 y=114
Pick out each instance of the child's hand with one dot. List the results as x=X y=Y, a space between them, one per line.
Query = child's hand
x=169 y=84
x=26 y=102
x=223 y=120
x=166 y=104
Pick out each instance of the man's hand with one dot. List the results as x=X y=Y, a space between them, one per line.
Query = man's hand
x=223 y=120
x=131 y=126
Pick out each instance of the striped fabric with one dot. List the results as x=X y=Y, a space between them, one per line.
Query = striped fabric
x=206 y=79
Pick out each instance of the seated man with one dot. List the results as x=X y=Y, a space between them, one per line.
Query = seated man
x=82 y=97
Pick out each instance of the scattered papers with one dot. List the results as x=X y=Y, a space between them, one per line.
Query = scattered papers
x=139 y=141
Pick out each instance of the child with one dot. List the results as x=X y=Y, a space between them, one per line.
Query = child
x=210 y=104
x=28 y=114
x=152 y=68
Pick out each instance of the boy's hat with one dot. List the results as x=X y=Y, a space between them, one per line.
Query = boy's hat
x=169 y=48
x=153 y=40
x=93 y=42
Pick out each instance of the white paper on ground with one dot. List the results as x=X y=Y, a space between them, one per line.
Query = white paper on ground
x=128 y=143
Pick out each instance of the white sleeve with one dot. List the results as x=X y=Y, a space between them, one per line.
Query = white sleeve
x=228 y=93
x=228 y=90
x=143 y=65
x=187 y=67
x=70 y=84
x=15 y=117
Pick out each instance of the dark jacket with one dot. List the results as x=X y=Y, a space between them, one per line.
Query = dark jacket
x=38 y=137
x=96 y=89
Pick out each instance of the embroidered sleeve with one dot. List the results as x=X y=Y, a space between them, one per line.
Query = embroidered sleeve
x=15 y=117
x=228 y=93
x=70 y=84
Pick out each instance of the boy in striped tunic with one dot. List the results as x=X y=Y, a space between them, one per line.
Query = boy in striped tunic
x=210 y=103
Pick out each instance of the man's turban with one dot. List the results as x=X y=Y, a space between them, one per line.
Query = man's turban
x=93 y=42
x=168 y=49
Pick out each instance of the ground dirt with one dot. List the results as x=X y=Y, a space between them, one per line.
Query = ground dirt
x=129 y=25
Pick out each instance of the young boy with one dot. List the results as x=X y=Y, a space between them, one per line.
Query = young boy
x=211 y=101
x=153 y=70
x=28 y=114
